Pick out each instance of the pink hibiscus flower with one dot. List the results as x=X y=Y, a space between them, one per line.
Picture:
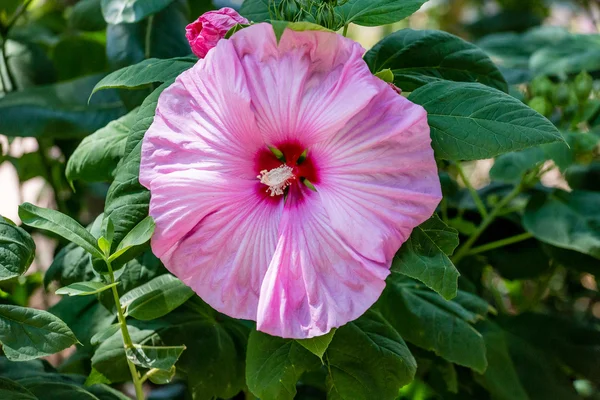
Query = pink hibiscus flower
x=241 y=227
x=205 y=32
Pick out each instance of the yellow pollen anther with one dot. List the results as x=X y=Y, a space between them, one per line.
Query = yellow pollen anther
x=277 y=179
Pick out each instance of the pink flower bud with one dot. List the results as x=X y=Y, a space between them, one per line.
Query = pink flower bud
x=204 y=33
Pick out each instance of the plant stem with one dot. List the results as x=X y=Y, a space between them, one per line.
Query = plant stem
x=465 y=248
x=474 y=194
x=127 y=342
x=345 y=33
x=148 y=42
x=500 y=243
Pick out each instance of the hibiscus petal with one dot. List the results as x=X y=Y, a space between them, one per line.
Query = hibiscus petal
x=311 y=83
x=315 y=281
x=196 y=125
x=379 y=174
x=217 y=238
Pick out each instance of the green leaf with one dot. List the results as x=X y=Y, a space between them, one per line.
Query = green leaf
x=511 y=167
x=105 y=334
x=11 y=390
x=367 y=359
x=85 y=288
x=377 y=12
x=85 y=316
x=27 y=333
x=427 y=320
x=567 y=220
x=127 y=201
x=86 y=15
x=160 y=357
x=17 y=250
x=149 y=71
x=386 y=75
x=584 y=177
x=49 y=390
x=160 y=377
x=216 y=348
x=424 y=256
x=138 y=236
x=470 y=121
x=68 y=61
x=130 y=11
x=60 y=224
x=318 y=345
x=156 y=298
x=573 y=54
x=60 y=110
x=274 y=365
x=128 y=44
x=110 y=359
x=96 y=157
x=518 y=369
x=256 y=10
x=417 y=58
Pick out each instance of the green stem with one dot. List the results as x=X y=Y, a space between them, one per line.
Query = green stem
x=345 y=33
x=501 y=243
x=148 y=43
x=16 y=16
x=465 y=248
x=474 y=194
x=127 y=342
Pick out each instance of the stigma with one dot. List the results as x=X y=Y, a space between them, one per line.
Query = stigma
x=277 y=179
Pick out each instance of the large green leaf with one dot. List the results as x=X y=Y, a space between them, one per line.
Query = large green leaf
x=518 y=370
x=12 y=390
x=215 y=356
x=17 y=250
x=470 y=121
x=367 y=359
x=68 y=61
x=567 y=220
x=257 y=10
x=86 y=15
x=149 y=71
x=60 y=224
x=27 y=333
x=425 y=319
x=96 y=157
x=159 y=357
x=424 y=256
x=420 y=57
x=127 y=201
x=60 y=110
x=127 y=43
x=274 y=365
x=377 y=12
x=156 y=298
x=573 y=54
x=51 y=390
x=85 y=316
x=130 y=11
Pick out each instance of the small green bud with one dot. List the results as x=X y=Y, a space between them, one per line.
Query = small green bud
x=562 y=95
x=583 y=85
x=541 y=105
x=542 y=86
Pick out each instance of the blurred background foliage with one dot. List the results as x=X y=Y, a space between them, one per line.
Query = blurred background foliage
x=55 y=51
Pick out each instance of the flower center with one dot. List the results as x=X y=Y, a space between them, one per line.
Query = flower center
x=277 y=179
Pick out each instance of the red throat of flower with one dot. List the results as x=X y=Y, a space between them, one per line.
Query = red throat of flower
x=284 y=165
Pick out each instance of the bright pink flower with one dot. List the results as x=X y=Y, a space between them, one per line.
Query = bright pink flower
x=303 y=262
x=205 y=32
